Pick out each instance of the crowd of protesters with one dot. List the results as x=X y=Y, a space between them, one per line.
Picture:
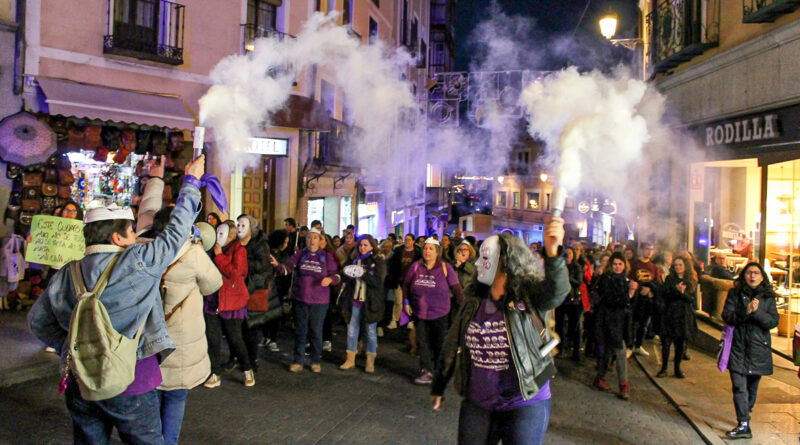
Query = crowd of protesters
x=476 y=312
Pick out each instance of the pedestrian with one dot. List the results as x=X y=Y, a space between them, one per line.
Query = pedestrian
x=750 y=308
x=448 y=250
x=133 y=273
x=396 y=269
x=226 y=310
x=315 y=273
x=426 y=298
x=464 y=265
x=332 y=314
x=296 y=242
x=362 y=301
x=191 y=275
x=494 y=347
x=615 y=291
x=259 y=282
x=347 y=251
x=278 y=242
x=212 y=218
x=648 y=276
x=336 y=241
x=678 y=324
x=719 y=268
x=569 y=313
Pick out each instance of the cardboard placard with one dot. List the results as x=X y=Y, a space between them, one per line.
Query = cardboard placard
x=55 y=241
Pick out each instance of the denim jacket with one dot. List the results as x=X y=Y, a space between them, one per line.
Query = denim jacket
x=132 y=295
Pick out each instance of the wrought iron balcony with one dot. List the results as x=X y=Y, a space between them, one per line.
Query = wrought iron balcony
x=681 y=30
x=251 y=32
x=145 y=29
x=764 y=11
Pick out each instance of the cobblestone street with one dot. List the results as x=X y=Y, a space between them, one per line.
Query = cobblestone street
x=356 y=408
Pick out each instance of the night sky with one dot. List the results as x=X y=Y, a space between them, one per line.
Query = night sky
x=558 y=42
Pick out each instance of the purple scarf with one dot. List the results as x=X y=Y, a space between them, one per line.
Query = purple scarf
x=212 y=184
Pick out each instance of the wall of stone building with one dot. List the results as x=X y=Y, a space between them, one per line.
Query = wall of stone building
x=10 y=103
x=759 y=74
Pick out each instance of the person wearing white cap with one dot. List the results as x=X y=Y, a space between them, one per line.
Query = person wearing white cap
x=426 y=293
x=133 y=299
x=315 y=274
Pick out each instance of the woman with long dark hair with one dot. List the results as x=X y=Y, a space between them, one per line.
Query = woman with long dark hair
x=678 y=324
x=614 y=293
x=497 y=349
x=750 y=309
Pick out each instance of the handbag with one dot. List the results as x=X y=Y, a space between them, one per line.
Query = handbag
x=32 y=179
x=64 y=191
x=31 y=205
x=259 y=300
x=26 y=218
x=725 y=344
x=796 y=345
x=49 y=189
x=65 y=177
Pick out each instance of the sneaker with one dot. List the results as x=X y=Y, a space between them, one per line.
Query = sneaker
x=742 y=431
x=392 y=325
x=327 y=346
x=213 y=381
x=249 y=378
x=641 y=351
x=316 y=368
x=380 y=331
x=273 y=347
x=600 y=384
x=661 y=374
x=624 y=392
x=679 y=374
x=263 y=343
x=50 y=350
x=425 y=378
x=628 y=354
x=295 y=367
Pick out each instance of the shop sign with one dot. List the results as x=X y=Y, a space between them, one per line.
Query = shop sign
x=269 y=146
x=767 y=128
x=583 y=207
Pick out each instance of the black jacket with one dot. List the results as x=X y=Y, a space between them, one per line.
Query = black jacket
x=575 y=273
x=677 y=309
x=466 y=274
x=259 y=270
x=751 y=351
x=374 y=274
x=523 y=338
x=394 y=266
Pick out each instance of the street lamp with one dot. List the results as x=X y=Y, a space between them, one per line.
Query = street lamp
x=608 y=28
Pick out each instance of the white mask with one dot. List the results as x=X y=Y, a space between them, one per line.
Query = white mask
x=222 y=234
x=242 y=227
x=488 y=260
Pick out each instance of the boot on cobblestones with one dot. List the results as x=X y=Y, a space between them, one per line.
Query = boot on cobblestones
x=350 y=363
x=213 y=381
x=295 y=367
x=316 y=368
x=370 y=367
x=742 y=431
x=623 y=390
x=249 y=378
x=600 y=383
x=662 y=373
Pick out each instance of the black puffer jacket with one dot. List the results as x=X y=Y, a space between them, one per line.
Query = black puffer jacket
x=261 y=275
x=394 y=266
x=677 y=309
x=374 y=274
x=751 y=351
x=575 y=272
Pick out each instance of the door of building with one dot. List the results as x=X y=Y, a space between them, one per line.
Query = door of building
x=253 y=186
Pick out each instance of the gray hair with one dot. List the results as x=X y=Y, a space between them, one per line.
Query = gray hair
x=520 y=264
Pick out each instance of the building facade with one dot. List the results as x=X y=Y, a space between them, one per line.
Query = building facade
x=10 y=89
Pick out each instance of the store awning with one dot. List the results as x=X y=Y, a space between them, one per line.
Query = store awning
x=82 y=100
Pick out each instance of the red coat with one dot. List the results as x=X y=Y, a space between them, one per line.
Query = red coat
x=232 y=263
x=587 y=280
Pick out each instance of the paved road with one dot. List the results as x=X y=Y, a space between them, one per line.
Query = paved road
x=356 y=408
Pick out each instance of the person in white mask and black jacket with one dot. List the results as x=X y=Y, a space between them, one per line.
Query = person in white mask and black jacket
x=498 y=348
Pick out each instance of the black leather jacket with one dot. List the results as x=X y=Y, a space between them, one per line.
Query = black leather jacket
x=533 y=370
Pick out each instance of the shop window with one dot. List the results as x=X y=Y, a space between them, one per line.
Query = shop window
x=501 y=199
x=373 y=30
x=316 y=209
x=346 y=212
x=328 y=97
x=515 y=196
x=533 y=201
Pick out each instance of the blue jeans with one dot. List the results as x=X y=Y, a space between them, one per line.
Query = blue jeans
x=308 y=320
x=136 y=418
x=525 y=425
x=172 y=406
x=353 y=329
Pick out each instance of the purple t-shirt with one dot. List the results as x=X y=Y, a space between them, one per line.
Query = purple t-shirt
x=493 y=381
x=311 y=268
x=146 y=378
x=430 y=289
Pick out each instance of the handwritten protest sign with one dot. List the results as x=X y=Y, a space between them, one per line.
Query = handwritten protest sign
x=55 y=241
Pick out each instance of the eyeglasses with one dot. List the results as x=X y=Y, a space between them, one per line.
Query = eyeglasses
x=753 y=273
x=463 y=250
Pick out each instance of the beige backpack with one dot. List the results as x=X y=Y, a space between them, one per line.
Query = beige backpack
x=102 y=360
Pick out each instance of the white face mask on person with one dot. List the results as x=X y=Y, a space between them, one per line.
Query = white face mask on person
x=242 y=227
x=222 y=234
x=488 y=260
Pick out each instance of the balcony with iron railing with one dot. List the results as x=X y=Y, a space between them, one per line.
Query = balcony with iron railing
x=765 y=11
x=251 y=32
x=330 y=148
x=681 y=30
x=145 y=29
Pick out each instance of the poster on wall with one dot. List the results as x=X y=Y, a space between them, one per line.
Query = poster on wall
x=55 y=241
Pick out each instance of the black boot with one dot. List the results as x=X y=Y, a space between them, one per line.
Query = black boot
x=662 y=373
x=740 y=432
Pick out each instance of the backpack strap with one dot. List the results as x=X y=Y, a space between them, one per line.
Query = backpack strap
x=444 y=269
x=80 y=286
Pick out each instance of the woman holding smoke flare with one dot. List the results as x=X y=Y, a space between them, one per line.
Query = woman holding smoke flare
x=498 y=349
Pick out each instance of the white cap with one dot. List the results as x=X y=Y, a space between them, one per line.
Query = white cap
x=314 y=230
x=431 y=240
x=108 y=213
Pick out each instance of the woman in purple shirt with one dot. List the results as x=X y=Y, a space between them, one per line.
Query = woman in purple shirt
x=498 y=349
x=426 y=288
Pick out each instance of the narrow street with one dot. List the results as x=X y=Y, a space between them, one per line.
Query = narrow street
x=356 y=408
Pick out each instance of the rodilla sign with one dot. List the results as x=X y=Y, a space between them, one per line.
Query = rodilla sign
x=768 y=128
